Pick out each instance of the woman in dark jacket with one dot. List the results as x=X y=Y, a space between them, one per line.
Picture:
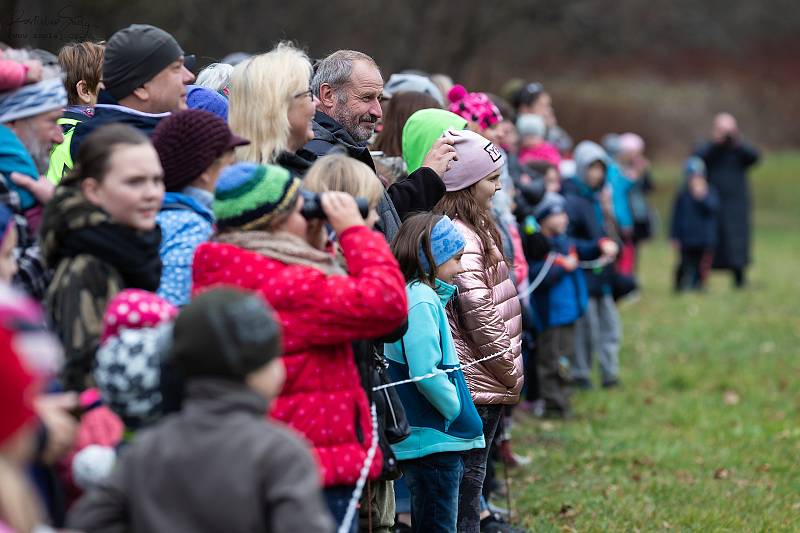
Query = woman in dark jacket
x=99 y=233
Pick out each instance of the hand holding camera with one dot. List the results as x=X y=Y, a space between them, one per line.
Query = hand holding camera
x=342 y=211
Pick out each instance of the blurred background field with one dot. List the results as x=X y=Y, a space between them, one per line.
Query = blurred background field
x=705 y=433
x=660 y=68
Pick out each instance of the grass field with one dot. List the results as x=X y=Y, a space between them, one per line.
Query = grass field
x=705 y=433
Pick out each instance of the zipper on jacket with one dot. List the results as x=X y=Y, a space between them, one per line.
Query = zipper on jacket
x=391 y=407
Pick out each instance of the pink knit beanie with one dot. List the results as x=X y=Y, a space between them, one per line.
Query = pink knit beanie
x=476 y=107
x=477 y=158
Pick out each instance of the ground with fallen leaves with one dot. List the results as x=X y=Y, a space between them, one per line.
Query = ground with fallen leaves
x=705 y=433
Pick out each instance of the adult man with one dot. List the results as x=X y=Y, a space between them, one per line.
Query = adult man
x=145 y=80
x=348 y=85
x=727 y=159
x=28 y=131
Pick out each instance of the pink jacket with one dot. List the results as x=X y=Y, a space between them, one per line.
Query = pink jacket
x=487 y=320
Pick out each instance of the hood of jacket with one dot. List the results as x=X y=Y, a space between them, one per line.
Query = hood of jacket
x=586 y=153
x=421 y=131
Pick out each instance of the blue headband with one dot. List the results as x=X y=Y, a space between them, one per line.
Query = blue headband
x=446 y=242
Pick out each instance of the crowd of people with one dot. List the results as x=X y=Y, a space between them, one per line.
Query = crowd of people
x=286 y=295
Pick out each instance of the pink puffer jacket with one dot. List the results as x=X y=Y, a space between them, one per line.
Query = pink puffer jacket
x=489 y=321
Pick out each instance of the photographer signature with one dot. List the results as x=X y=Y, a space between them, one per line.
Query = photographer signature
x=60 y=23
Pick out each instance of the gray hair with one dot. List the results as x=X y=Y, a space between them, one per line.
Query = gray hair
x=215 y=76
x=335 y=70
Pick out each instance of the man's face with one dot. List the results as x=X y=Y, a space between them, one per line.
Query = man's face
x=39 y=134
x=166 y=92
x=357 y=106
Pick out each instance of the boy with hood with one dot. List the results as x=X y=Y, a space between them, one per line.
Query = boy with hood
x=259 y=476
x=694 y=226
x=598 y=330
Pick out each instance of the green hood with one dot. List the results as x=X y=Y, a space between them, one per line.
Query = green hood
x=421 y=131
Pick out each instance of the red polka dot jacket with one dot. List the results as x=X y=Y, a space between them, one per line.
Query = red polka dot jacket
x=321 y=315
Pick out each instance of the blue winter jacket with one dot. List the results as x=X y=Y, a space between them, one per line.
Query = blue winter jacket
x=439 y=409
x=14 y=157
x=694 y=222
x=186 y=221
x=562 y=296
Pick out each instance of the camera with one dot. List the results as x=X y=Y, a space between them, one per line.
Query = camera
x=312 y=206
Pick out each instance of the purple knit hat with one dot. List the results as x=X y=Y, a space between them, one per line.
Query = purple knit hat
x=477 y=158
x=476 y=107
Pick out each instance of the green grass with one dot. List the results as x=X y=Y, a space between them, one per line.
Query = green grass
x=705 y=434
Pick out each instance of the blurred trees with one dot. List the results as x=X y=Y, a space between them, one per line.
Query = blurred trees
x=669 y=51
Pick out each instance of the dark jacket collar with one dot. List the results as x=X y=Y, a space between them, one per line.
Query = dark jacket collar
x=329 y=131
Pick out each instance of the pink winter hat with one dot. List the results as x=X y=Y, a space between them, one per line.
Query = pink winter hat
x=477 y=158
x=476 y=107
x=135 y=309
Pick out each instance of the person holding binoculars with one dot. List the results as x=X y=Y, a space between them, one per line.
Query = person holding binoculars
x=266 y=244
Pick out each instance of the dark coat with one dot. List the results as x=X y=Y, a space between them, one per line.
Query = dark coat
x=586 y=228
x=727 y=166
x=420 y=191
x=215 y=466
x=111 y=114
x=694 y=222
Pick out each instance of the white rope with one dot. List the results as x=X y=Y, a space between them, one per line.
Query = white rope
x=362 y=478
x=446 y=371
x=548 y=264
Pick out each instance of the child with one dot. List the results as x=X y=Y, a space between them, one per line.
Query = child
x=219 y=448
x=694 y=226
x=82 y=65
x=8 y=245
x=194 y=146
x=599 y=330
x=100 y=235
x=444 y=421
x=533 y=147
x=266 y=245
x=558 y=302
x=488 y=321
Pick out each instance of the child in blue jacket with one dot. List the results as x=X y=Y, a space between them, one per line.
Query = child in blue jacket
x=558 y=302
x=444 y=421
x=694 y=226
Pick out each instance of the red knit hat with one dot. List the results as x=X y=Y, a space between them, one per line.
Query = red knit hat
x=17 y=389
x=188 y=142
x=134 y=309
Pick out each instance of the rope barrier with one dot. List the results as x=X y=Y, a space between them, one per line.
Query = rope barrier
x=350 y=515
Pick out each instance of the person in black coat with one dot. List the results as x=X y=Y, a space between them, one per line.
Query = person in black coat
x=727 y=158
x=349 y=85
x=694 y=226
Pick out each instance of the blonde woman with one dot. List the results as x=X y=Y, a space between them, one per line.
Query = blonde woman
x=271 y=104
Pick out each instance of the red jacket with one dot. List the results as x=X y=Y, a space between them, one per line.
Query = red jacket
x=321 y=315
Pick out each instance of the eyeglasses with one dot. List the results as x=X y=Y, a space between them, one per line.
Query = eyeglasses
x=308 y=92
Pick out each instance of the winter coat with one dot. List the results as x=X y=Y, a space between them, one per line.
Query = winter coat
x=586 y=227
x=14 y=157
x=186 y=221
x=321 y=316
x=294 y=163
x=215 y=466
x=420 y=191
x=439 y=409
x=94 y=259
x=110 y=114
x=561 y=298
x=620 y=196
x=727 y=166
x=694 y=222
x=487 y=320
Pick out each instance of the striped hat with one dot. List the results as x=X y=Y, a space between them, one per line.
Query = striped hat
x=251 y=196
x=34 y=99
